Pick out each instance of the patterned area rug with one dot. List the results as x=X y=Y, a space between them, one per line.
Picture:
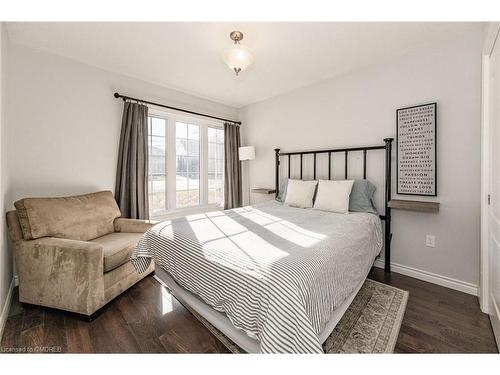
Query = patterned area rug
x=370 y=325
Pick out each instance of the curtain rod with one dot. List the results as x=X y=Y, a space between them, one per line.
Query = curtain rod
x=116 y=95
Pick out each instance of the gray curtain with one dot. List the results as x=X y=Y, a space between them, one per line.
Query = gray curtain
x=232 y=166
x=131 y=191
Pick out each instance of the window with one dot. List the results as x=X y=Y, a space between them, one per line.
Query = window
x=215 y=165
x=186 y=163
x=157 y=177
x=187 y=180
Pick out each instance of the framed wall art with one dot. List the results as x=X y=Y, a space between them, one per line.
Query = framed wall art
x=416 y=153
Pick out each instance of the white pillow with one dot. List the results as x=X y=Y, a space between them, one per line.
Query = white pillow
x=333 y=196
x=300 y=193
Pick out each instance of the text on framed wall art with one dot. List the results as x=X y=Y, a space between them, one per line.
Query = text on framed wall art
x=416 y=150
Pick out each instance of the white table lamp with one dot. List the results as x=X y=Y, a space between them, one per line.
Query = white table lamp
x=247 y=153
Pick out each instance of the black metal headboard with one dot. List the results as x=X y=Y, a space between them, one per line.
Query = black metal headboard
x=388 y=150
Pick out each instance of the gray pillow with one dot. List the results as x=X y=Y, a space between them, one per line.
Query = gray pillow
x=361 y=198
x=282 y=193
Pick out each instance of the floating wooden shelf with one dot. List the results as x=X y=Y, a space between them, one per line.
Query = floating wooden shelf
x=264 y=191
x=403 y=204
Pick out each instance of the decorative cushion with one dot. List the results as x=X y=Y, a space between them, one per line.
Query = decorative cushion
x=117 y=248
x=81 y=217
x=333 y=196
x=361 y=198
x=300 y=193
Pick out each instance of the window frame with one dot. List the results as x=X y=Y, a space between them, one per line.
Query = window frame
x=188 y=157
x=171 y=118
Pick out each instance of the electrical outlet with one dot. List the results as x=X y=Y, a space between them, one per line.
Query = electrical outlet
x=430 y=240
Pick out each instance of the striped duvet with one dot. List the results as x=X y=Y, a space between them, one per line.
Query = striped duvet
x=277 y=272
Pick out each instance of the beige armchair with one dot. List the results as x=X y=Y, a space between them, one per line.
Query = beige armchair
x=73 y=253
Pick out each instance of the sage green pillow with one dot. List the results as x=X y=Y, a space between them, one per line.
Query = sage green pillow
x=282 y=193
x=361 y=198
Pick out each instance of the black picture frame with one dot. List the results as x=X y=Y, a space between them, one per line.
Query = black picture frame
x=435 y=150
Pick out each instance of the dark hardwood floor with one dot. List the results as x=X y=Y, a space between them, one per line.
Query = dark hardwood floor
x=147 y=318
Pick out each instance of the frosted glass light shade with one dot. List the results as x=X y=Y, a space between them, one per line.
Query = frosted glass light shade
x=246 y=153
x=238 y=58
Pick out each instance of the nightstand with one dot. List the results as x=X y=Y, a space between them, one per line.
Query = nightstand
x=263 y=191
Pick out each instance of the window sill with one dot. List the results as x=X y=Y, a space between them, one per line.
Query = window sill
x=181 y=212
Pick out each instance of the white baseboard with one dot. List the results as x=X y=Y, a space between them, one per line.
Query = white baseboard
x=6 y=308
x=430 y=277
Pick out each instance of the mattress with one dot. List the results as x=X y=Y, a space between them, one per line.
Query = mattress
x=278 y=273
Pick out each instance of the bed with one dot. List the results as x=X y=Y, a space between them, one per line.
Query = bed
x=273 y=278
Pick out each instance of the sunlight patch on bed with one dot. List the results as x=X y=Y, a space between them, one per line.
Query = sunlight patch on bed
x=214 y=227
x=195 y=217
x=295 y=234
x=245 y=252
x=258 y=217
x=237 y=244
x=285 y=229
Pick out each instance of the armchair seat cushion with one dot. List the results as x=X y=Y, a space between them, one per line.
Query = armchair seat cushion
x=117 y=248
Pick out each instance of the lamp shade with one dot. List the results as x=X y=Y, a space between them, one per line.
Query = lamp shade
x=238 y=57
x=246 y=153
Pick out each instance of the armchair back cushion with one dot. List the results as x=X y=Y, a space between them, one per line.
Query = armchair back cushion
x=81 y=217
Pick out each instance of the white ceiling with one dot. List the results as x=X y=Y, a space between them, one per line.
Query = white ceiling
x=187 y=56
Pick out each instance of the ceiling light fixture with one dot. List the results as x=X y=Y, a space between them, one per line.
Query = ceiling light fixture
x=238 y=57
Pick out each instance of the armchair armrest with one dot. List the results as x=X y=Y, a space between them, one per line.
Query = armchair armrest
x=133 y=225
x=61 y=273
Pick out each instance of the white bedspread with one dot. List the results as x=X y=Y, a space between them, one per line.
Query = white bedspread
x=277 y=272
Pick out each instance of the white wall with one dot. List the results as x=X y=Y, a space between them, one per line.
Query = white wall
x=359 y=109
x=5 y=253
x=64 y=123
